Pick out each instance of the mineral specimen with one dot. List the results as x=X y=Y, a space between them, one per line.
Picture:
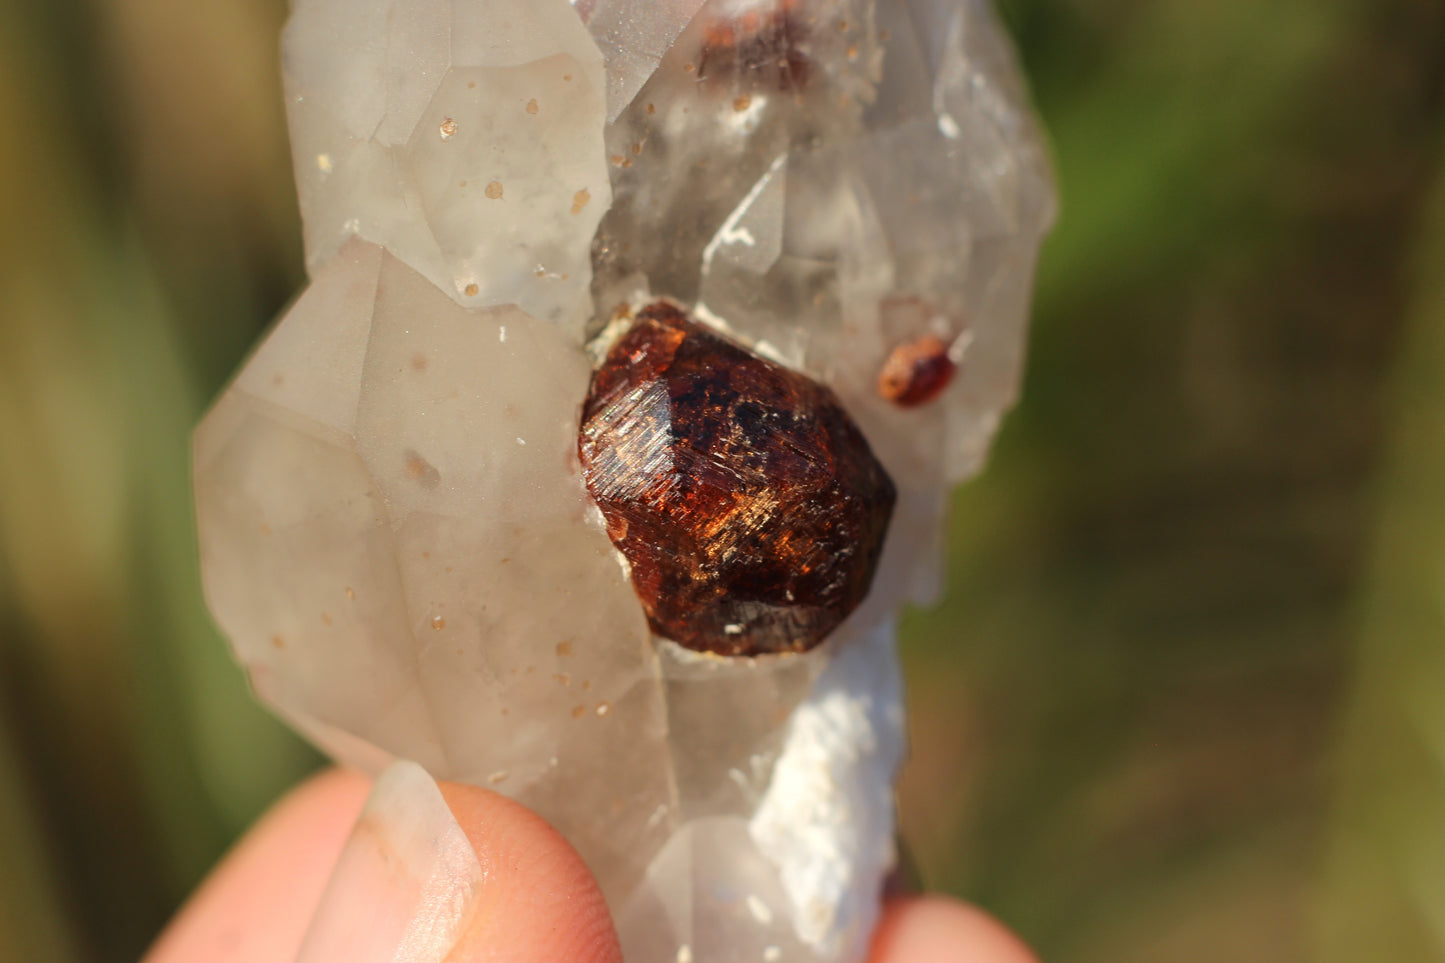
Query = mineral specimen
x=748 y=504
x=395 y=530
x=917 y=372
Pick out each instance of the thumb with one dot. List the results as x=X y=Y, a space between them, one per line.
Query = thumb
x=458 y=874
x=425 y=873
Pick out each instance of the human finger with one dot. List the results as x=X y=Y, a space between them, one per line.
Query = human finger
x=936 y=929
x=256 y=905
x=426 y=873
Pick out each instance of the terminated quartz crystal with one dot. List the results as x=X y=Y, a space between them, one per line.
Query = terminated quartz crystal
x=395 y=529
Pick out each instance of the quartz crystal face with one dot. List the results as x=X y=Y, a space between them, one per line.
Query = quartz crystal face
x=847 y=197
x=749 y=505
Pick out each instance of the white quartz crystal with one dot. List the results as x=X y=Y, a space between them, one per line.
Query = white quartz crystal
x=395 y=535
x=465 y=136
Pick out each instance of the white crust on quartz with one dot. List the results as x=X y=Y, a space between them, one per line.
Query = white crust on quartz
x=826 y=820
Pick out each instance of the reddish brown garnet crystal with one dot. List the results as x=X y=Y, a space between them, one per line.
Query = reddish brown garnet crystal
x=749 y=504
x=916 y=372
x=763 y=45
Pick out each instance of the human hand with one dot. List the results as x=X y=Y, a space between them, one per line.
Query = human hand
x=478 y=878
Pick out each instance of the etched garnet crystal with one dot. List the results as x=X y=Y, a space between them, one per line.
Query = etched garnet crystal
x=917 y=372
x=746 y=500
x=764 y=42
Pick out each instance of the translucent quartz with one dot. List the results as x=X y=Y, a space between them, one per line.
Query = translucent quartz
x=462 y=135
x=394 y=531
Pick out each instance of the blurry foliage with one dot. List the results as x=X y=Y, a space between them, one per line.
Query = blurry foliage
x=1384 y=892
x=1209 y=552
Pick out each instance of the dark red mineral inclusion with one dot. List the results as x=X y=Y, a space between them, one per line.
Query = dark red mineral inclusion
x=761 y=44
x=916 y=372
x=749 y=504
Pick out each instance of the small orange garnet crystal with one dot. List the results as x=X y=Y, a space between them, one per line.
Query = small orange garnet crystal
x=916 y=372
x=746 y=500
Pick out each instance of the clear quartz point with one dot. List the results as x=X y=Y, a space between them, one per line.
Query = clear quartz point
x=395 y=533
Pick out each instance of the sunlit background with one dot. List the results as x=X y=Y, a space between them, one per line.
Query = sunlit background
x=1185 y=700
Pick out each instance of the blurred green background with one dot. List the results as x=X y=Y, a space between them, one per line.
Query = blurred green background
x=1185 y=700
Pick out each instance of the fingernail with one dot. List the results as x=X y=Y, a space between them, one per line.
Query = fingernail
x=405 y=883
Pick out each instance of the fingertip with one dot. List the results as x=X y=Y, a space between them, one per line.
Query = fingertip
x=255 y=907
x=541 y=903
x=538 y=902
x=936 y=929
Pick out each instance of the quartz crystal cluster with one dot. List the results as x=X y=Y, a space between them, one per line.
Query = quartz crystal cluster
x=459 y=507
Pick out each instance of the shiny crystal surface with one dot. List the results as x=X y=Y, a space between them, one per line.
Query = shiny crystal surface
x=748 y=503
x=395 y=531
